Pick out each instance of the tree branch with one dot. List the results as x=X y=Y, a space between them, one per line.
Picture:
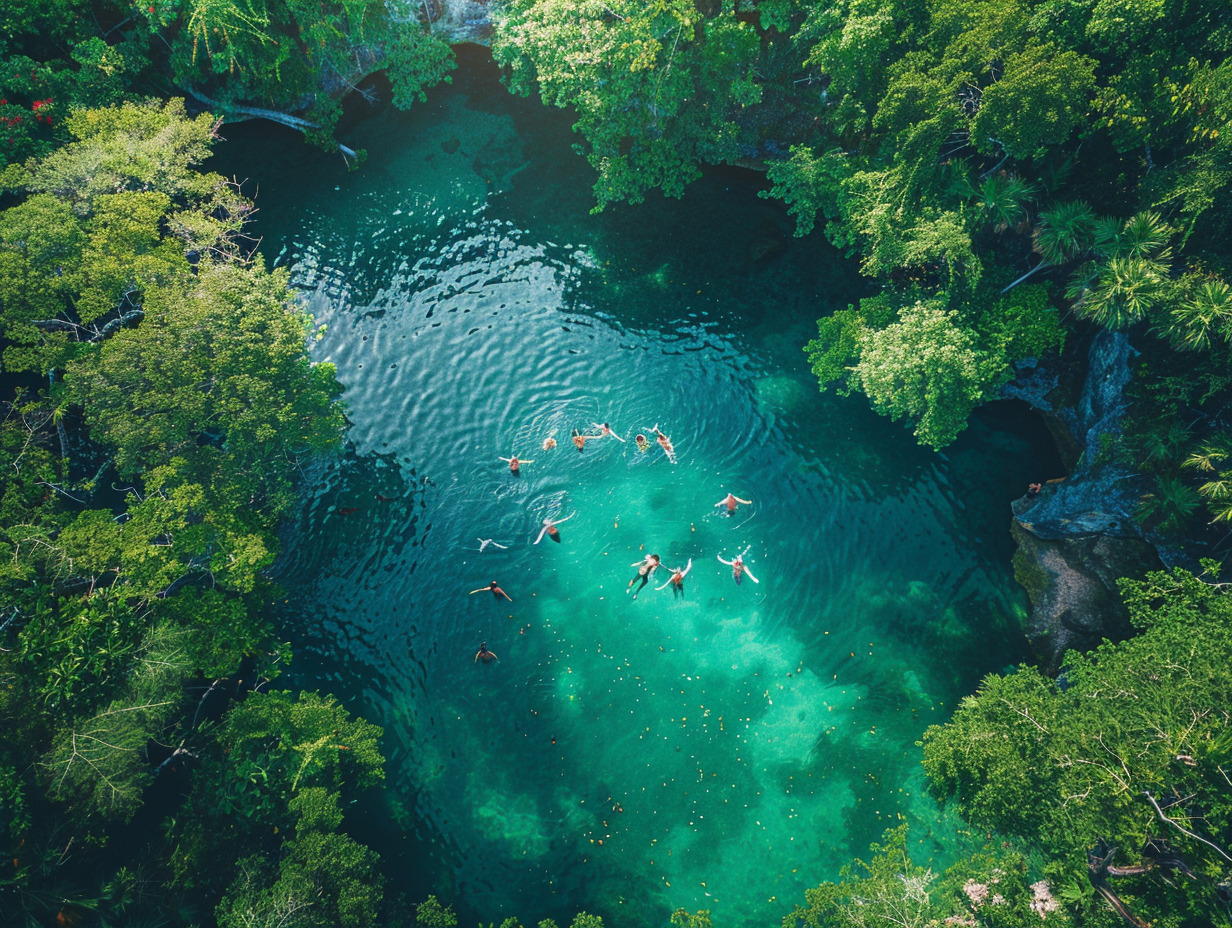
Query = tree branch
x=1184 y=831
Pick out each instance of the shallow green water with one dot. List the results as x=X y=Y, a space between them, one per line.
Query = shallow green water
x=724 y=749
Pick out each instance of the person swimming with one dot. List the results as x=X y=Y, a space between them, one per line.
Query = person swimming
x=738 y=566
x=645 y=568
x=730 y=501
x=676 y=580
x=515 y=466
x=549 y=443
x=641 y=442
x=580 y=439
x=496 y=591
x=665 y=443
x=484 y=542
x=549 y=528
x=483 y=654
x=605 y=431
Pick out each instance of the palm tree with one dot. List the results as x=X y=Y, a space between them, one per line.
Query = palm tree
x=1003 y=200
x=1206 y=313
x=1160 y=447
x=1065 y=233
x=1124 y=291
x=1217 y=491
x=1171 y=505
x=1144 y=235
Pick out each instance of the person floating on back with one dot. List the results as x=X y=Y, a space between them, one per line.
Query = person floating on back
x=549 y=528
x=676 y=580
x=645 y=567
x=515 y=466
x=738 y=567
x=605 y=431
x=497 y=592
x=730 y=501
x=483 y=654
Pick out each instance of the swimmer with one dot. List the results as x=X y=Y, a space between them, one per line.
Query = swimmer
x=664 y=442
x=484 y=542
x=645 y=567
x=738 y=567
x=579 y=440
x=730 y=501
x=496 y=591
x=483 y=654
x=549 y=443
x=549 y=528
x=605 y=431
x=515 y=465
x=676 y=580
x=641 y=442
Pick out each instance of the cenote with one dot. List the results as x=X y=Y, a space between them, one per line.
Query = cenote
x=725 y=749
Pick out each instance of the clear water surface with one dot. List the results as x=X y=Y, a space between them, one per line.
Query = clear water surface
x=722 y=749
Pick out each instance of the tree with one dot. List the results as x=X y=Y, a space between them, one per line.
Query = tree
x=267 y=751
x=1130 y=750
x=264 y=58
x=925 y=368
x=1038 y=102
x=1204 y=315
x=239 y=400
x=656 y=86
x=323 y=879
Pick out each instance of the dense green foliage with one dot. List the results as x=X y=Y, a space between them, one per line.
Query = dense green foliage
x=656 y=85
x=1132 y=750
x=285 y=60
x=140 y=495
x=1009 y=175
x=992 y=888
x=949 y=145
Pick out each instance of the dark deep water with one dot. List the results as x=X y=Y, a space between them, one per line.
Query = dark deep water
x=724 y=749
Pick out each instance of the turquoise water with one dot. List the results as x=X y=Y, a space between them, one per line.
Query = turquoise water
x=722 y=749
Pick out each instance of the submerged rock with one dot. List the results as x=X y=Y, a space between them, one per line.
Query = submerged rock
x=1078 y=536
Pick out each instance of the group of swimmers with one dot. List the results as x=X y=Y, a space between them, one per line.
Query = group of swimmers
x=651 y=562
x=603 y=430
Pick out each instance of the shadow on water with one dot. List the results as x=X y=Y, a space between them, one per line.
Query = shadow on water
x=723 y=749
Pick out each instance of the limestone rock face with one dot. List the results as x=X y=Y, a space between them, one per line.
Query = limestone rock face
x=1078 y=536
x=461 y=20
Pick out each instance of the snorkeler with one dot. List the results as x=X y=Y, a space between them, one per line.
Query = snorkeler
x=515 y=465
x=484 y=542
x=738 y=567
x=676 y=580
x=496 y=591
x=549 y=528
x=605 y=431
x=641 y=442
x=730 y=501
x=483 y=654
x=664 y=442
x=645 y=567
x=549 y=443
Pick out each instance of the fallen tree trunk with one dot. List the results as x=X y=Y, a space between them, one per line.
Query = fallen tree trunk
x=257 y=112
